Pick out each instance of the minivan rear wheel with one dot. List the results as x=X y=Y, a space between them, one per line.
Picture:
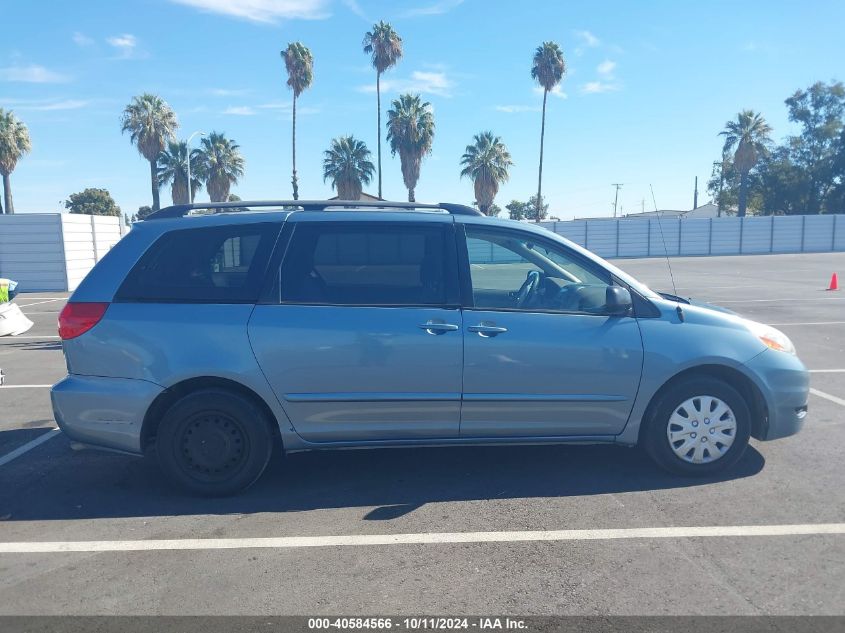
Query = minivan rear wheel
x=214 y=442
x=700 y=426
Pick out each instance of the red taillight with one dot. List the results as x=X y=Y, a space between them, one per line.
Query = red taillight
x=78 y=318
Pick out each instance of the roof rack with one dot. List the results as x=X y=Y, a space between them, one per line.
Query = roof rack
x=181 y=210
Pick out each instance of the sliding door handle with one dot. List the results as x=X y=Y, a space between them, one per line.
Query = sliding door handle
x=487 y=330
x=435 y=327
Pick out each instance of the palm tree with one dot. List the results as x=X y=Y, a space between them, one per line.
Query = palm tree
x=486 y=162
x=151 y=122
x=385 y=47
x=14 y=143
x=749 y=135
x=220 y=164
x=547 y=70
x=300 y=66
x=347 y=164
x=173 y=170
x=410 y=132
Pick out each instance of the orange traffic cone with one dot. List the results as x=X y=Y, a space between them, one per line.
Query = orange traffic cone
x=834 y=282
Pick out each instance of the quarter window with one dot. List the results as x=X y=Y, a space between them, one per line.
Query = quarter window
x=222 y=264
x=369 y=264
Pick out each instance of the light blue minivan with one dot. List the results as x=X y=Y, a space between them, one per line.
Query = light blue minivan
x=213 y=332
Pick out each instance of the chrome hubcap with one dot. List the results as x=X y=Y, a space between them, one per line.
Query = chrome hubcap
x=701 y=429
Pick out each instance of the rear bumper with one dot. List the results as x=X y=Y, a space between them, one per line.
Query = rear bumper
x=785 y=385
x=103 y=412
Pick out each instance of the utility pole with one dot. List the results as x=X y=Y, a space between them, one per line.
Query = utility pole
x=695 y=195
x=618 y=186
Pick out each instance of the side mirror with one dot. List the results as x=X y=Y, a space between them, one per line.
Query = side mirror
x=618 y=301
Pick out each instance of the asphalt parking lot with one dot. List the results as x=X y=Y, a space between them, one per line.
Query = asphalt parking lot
x=50 y=493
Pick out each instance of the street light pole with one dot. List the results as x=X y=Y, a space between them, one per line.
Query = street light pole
x=188 y=157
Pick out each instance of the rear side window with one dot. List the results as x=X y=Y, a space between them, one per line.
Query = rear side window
x=222 y=264
x=370 y=264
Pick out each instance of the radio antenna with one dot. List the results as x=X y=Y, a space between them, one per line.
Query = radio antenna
x=663 y=239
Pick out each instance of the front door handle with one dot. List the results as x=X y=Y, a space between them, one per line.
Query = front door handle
x=438 y=327
x=487 y=330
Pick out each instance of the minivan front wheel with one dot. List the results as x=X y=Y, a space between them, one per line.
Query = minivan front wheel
x=214 y=442
x=700 y=426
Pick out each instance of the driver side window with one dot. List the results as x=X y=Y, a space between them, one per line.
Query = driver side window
x=510 y=271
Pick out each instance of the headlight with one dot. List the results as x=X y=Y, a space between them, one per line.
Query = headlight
x=775 y=339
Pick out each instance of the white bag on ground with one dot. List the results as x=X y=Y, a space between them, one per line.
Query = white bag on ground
x=12 y=320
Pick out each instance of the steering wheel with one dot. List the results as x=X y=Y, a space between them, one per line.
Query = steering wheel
x=528 y=288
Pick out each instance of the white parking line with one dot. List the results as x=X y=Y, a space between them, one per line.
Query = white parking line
x=20 y=336
x=826 y=371
x=812 y=323
x=38 y=441
x=807 y=300
x=25 y=386
x=827 y=396
x=289 y=542
x=37 y=303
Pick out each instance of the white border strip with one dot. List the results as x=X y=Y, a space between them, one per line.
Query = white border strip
x=294 y=542
x=38 y=441
x=827 y=396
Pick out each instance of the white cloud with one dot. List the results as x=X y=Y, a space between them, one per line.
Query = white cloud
x=353 y=6
x=597 y=87
x=606 y=68
x=437 y=8
x=80 y=39
x=126 y=45
x=588 y=38
x=557 y=91
x=32 y=73
x=511 y=109
x=240 y=111
x=45 y=105
x=423 y=82
x=226 y=92
x=268 y=11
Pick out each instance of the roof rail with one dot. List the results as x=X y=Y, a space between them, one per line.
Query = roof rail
x=180 y=210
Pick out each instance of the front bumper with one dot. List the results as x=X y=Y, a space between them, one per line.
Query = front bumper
x=103 y=412
x=785 y=386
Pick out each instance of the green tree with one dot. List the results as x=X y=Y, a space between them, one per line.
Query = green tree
x=220 y=164
x=347 y=165
x=410 y=132
x=818 y=110
x=143 y=212
x=527 y=210
x=173 y=170
x=487 y=163
x=748 y=134
x=92 y=201
x=150 y=122
x=14 y=143
x=300 y=66
x=547 y=70
x=384 y=46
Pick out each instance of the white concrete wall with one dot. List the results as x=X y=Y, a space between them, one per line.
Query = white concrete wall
x=650 y=237
x=53 y=251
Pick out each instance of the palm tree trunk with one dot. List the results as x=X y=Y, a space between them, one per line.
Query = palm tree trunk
x=540 y=177
x=743 y=193
x=293 y=180
x=7 y=194
x=378 y=105
x=154 y=184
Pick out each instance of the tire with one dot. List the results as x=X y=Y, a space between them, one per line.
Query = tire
x=214 y=443
x=702 y=443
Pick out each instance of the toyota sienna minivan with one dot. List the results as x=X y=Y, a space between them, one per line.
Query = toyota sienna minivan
x=214 y=332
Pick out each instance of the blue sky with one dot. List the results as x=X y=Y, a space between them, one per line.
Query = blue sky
x=649 y=85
